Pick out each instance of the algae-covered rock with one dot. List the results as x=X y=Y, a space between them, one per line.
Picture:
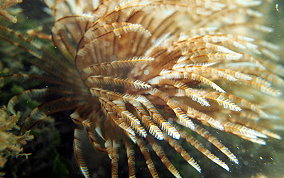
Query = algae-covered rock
x=11 y=140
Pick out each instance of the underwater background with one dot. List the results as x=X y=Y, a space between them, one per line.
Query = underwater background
x=48 y=149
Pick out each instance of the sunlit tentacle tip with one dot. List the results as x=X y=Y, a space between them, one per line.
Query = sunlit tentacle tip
x=176 y=136
x=277 y=137
x=261 y=142
x=226 y=167
x=272 y=134
x=235 y=160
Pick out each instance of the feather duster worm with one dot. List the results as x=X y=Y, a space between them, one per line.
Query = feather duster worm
x=145 y=72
